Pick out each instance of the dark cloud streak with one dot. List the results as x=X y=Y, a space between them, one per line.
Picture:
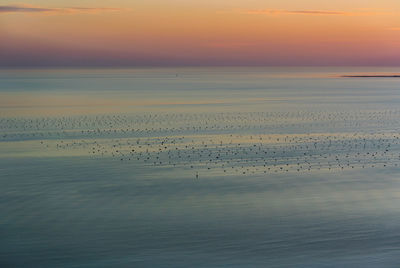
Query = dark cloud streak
x=316 y=12
x=13 y=9
x=32 y=9
x=304 y=12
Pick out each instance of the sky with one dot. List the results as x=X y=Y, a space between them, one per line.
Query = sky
x=205 y=33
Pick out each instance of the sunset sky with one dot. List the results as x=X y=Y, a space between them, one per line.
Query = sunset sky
x=207 y=32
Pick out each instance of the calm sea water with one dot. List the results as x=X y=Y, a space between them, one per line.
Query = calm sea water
x=199 y=167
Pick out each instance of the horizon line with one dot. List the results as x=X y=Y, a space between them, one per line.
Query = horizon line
x=186 y=66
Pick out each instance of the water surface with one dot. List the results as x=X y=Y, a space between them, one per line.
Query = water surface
x=199 y=167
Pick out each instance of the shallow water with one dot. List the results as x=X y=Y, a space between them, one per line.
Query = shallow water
x=199 y=167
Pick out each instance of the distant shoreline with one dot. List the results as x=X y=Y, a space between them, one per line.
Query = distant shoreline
x=371 y=76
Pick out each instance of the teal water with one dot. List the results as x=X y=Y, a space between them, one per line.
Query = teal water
x=199 y=167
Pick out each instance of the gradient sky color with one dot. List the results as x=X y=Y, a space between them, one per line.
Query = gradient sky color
x=207 y=32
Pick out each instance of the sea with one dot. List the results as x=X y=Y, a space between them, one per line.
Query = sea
x=200 y=167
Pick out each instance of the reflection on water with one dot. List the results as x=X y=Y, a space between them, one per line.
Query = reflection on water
x=214 y=167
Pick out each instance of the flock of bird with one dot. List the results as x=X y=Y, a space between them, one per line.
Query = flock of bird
x=224 y=143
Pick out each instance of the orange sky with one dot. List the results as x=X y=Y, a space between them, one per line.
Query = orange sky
x=184 y=32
